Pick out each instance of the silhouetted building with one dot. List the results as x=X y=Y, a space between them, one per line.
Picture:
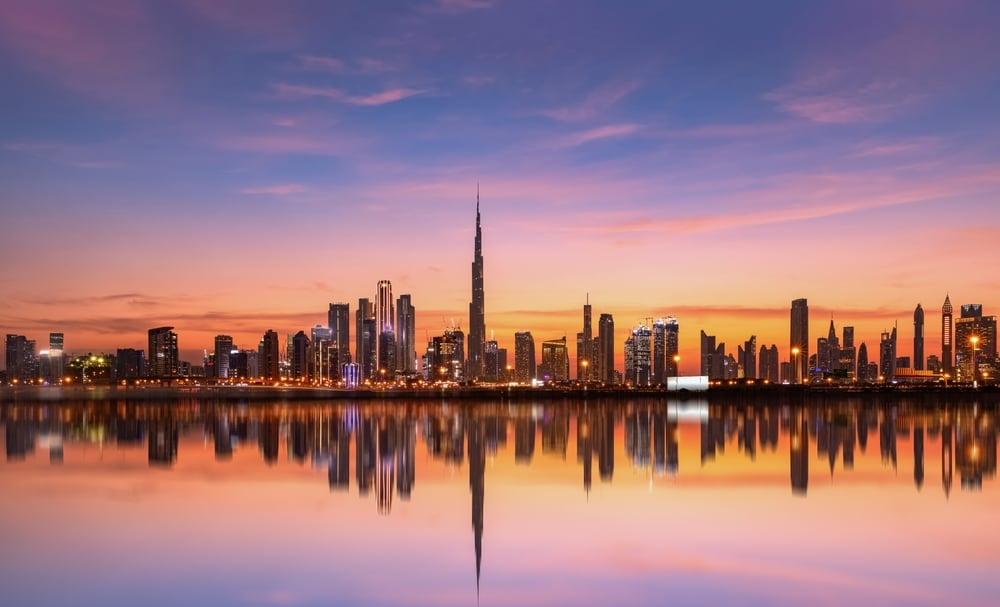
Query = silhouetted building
x=338 y=319
x=129 y=364
x=798 y=346
x=477 y=307
x=887 y=355
x=586 y=359
x=269 y=356
x=747 y=358
x=606 y=347
x=918 y=338
x=300 y=356
x=406 y=335
x=365 y=335
x=862 y=372
x=20 y=359
x=223 y=347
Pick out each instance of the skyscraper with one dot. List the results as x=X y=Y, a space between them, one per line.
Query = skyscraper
x=223 y=347
x=477 y=307
x=918 y=338
x=491 y=362
x=56 y=359
x=300 y=356
x=887 y=355
x=606 y=346
x=975 y=343
x=384 y=319
x=555 y=360
x=748 y=362
x=163 y=354
x=799 y=340
x=338 y=318
x=585 y=358
x=406 y=335
x=269 y=356
x=639 y=356
x=862 y=372
x=947 y=335
x=707 y=353
x=364 y=335
x=20 y=359
x=524 y=357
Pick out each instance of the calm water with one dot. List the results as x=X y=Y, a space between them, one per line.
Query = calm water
x=645 y=502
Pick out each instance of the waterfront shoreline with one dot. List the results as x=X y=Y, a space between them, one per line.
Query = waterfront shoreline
x=25 y=394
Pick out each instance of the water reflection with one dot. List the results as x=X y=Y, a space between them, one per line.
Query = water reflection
x=665 y=441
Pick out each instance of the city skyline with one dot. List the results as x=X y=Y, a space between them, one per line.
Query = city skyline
x=238 y=170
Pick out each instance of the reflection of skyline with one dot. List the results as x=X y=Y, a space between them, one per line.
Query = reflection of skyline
x=392 y=442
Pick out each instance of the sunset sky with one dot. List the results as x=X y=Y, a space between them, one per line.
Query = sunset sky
x=233 y=166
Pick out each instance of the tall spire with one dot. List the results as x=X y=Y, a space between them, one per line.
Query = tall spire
x=477 y=314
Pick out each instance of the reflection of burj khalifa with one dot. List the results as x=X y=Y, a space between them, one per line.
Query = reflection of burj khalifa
x=477 y=472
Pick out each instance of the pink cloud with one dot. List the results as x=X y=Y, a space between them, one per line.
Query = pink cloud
x=373 y=99
x=321 y=63
x=595 y=104
x=288 y=143
x=609 y=131
x=459 y=6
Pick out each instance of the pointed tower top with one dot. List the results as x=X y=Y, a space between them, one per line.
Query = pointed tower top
x=946 y=308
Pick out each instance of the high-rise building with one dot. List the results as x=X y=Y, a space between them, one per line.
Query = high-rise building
x=386 y=355
x=918 y=338
x=887 y=355
x=947 y=335
x=406 y=335
x=708 y=352
x=477 y=307
x=524 y=357
x=769 y=367
x=223 y=347
x=748 y=360
x=848 y=354
x=975 y=343
x=606 y=347
x=639 y=356
x=129 y=364
x=56 y=357
x=20 y=359
x=555 y=360
x=586 y=363
x=665 y=338
x=862 y=372
x=164 y=360
x=384 y=317
x=364 y=335
x=338 y=318
x=322 y=355
x=269 y=356
x=300 y=356
x=799 y=340
x=446 y=356
x=491 y=362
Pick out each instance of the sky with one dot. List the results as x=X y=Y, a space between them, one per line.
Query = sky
x=229 y=167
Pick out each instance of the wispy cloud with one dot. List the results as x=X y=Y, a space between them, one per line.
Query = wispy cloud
x=336 y=65
x=289 y=143
x=595 y=104
x=372 y=99
x=281 y=189
x=838 y=97
x=610 y=131
x=459 y=6
x=80 y=156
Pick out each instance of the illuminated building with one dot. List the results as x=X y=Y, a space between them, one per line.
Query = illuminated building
x=164 y=361
x=406 y=335
x=799 y=340
x=322 y=353
x=524 y=357
x=555 y=360
x=223 y=346
x=269 y=357
x=918 y=338
x=351 y=374
x=491 y=362
x=586 y=358
x=477 y=307
x=947 y=336
x=338 y=318
x=446 y=356
x=665 y=337
x=975 y=343
x=639 y=356
x=56 y=358
x=887 y=354
x=747 y=358
x=364 y=335
x=386 y=355
x=606 y=348
x=384 y=319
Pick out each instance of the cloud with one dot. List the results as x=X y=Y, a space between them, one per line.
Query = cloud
x=133 y=299
x=595 y=104
x=459 y=6
x=373 y=99
x=610 y=131
x=335 y=65
x=320 y=63
x=289 y=143
x=79 y=156
x=836 y=97
x=869 y=149
x=281 y=189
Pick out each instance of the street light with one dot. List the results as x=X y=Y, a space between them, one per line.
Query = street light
x=677 y=365
x=795 y=361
